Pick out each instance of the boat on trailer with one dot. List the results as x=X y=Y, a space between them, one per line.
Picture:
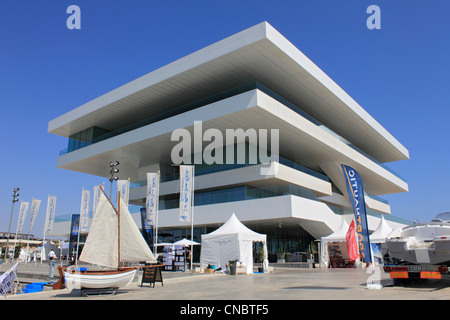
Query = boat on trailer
x=423 y=243
x=76 y=279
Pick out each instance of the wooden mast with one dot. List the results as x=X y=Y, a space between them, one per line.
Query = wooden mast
x=118 y=228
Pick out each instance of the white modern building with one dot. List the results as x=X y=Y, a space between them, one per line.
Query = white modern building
x=253 y=79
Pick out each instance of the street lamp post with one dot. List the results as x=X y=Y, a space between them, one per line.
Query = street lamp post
x=14 y=200
x=113 y=170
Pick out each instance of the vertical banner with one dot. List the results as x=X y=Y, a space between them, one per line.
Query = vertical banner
x=352 y=244
x=35 y=205
x=73 y=236
x=84 y=209
x=151 y=204
x=22 y=215
x=356 y=196
x=186 y=193
x=147 y=229
x=96 y=198
x=50 y=215
x=123 y=186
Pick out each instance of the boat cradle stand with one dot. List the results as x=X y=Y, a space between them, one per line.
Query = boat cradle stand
x=86 y=292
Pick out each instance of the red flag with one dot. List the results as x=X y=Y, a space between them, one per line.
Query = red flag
x=352 y=245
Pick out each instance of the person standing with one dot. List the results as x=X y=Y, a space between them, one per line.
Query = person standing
x=72 y=260
x=51 y=258
x=189 y=257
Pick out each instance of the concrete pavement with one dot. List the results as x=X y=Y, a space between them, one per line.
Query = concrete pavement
x=282 y=284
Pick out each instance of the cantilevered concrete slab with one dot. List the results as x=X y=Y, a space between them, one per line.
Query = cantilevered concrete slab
x=253 y=109
x=259 y=53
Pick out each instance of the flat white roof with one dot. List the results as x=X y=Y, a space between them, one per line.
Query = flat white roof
x=259 y=53
x=152 y=144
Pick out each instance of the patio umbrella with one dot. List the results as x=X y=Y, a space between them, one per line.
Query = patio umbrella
x=185 y=242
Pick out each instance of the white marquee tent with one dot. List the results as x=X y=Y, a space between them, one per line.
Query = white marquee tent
x=378 y=236
x=381 y=233
x=232 y=241
x=378 y=240
x=337 y=236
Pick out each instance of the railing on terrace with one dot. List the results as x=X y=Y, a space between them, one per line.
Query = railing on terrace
x=377 y=198
x=220 y=96
x=207 y=170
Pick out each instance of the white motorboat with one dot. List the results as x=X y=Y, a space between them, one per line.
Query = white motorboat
x=113 y=238
x=422 y=243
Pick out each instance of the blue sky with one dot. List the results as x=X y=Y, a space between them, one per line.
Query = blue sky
x=399 y=74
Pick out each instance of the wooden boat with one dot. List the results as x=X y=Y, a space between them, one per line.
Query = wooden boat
x=113 y=238
x=99 y=279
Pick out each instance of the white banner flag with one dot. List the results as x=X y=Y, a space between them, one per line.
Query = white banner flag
x=84 y=209
x=96 y=197
x=186 y=193
x=35 y=205
x=123 y=186
x=22 y=215
x=7 y=279
x=50 y=215
x=151 y=204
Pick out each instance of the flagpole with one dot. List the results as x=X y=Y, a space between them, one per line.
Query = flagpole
x=17 y=231
x=29 y=230
x=45 y=231
x=79 y=230
x=28 y=246
x=192 y=217
x=118 y=229
x=47 y=218
x=21 y=221
x=155 y=241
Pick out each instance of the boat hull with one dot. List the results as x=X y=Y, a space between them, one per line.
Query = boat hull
x=427 y=243
x=431 y=255
x=98 y=279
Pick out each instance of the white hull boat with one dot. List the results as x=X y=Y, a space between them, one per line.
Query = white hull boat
x=424 y=243
x=98 y=279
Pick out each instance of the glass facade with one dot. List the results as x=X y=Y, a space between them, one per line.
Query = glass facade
x=84 y=138
x=239 y=193
x=206 y=197
x=171 y=173
x=283 y=240
x=94 y=134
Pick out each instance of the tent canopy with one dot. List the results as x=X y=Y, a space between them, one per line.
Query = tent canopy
x=232 y=241
x=185 y=242
x=234 y=226
x=337 y=236
x=381 y=233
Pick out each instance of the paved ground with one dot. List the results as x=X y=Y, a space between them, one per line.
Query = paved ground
x=282 y=284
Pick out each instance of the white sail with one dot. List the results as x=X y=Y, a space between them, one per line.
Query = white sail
x=101 y=245
x=133 y=247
